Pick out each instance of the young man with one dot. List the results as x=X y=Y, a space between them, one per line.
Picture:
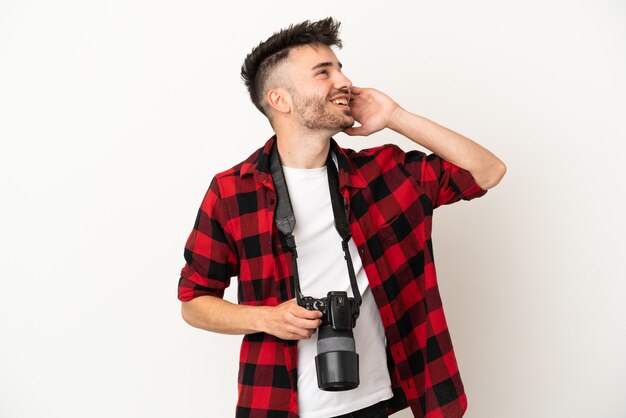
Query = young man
x=405 y=353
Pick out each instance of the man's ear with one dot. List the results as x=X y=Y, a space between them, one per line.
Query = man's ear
x=279 y=100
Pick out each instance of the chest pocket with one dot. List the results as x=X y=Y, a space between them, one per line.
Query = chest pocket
x=398 y=205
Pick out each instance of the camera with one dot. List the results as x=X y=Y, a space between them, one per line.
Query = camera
x=336 y=363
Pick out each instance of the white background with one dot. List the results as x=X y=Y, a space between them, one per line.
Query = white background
x=115 y=115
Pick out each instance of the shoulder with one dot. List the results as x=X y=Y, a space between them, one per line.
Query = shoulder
x=240 y=176
x=379 y=159
x=236 y=170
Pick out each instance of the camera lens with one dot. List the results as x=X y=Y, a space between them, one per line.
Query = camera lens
x=336 y=363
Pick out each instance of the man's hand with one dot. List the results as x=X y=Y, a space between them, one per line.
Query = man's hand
x=290 y=321
x=372 y=109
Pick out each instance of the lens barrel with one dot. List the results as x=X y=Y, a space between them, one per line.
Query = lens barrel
x=336 y=363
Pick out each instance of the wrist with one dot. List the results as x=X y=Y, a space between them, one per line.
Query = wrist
x=397 y=119
x=261 y=319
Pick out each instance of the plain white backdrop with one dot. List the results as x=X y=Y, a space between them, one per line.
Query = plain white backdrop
x=115 y=115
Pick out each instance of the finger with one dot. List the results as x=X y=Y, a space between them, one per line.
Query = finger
x=308 y=324
x=295 y=333
x=306 y=314
x=303 y=318
x=356 y=90
x=301 y=312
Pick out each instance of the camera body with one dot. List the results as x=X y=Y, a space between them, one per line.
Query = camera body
x=336 y=363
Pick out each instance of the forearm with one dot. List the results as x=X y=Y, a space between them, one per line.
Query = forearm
x=287 y=320
x=485 y=167
x=217 y=315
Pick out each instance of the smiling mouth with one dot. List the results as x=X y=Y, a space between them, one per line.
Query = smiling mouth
x=341 y=102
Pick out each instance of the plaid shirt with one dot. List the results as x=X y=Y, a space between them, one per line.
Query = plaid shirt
x=391 y=196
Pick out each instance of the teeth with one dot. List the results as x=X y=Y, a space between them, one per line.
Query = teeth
x=340 y=101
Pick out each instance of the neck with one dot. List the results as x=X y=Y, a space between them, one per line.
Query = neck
x=303 y=151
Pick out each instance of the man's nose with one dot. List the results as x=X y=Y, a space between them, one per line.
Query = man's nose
x=342 y=82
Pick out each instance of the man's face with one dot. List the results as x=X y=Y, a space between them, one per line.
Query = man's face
x=319 y=90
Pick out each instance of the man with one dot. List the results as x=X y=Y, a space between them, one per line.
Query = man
x=405 y=353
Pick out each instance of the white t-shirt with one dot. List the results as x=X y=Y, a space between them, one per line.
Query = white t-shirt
x=322 y=268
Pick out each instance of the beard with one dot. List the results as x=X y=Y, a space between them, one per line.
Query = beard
x=317 y=113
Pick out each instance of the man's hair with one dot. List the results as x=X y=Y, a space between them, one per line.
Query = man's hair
x=265 y=57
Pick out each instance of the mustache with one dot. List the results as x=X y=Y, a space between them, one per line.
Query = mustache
x=342 y=92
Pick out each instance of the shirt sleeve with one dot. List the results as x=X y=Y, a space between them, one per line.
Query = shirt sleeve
x=209 y=252
x=442 y=181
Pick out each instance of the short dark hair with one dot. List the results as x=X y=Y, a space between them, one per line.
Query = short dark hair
x=264 y=58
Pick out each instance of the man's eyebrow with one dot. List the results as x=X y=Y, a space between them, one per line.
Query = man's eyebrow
x=326 y=64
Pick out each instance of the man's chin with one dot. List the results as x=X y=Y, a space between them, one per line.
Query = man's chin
x=347 y=124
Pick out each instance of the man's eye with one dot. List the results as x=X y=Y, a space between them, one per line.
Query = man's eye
x=323 y=72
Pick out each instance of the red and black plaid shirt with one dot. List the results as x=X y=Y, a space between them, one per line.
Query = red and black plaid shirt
x=391 y=196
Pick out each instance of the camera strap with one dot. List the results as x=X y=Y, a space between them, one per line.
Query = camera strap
x=286 y=220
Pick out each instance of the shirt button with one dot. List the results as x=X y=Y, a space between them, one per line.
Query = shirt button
x=271 y=201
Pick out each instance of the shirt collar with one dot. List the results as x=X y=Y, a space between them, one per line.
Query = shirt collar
x=258 y=165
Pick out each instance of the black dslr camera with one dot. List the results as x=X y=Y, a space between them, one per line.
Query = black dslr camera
x=336 y=363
